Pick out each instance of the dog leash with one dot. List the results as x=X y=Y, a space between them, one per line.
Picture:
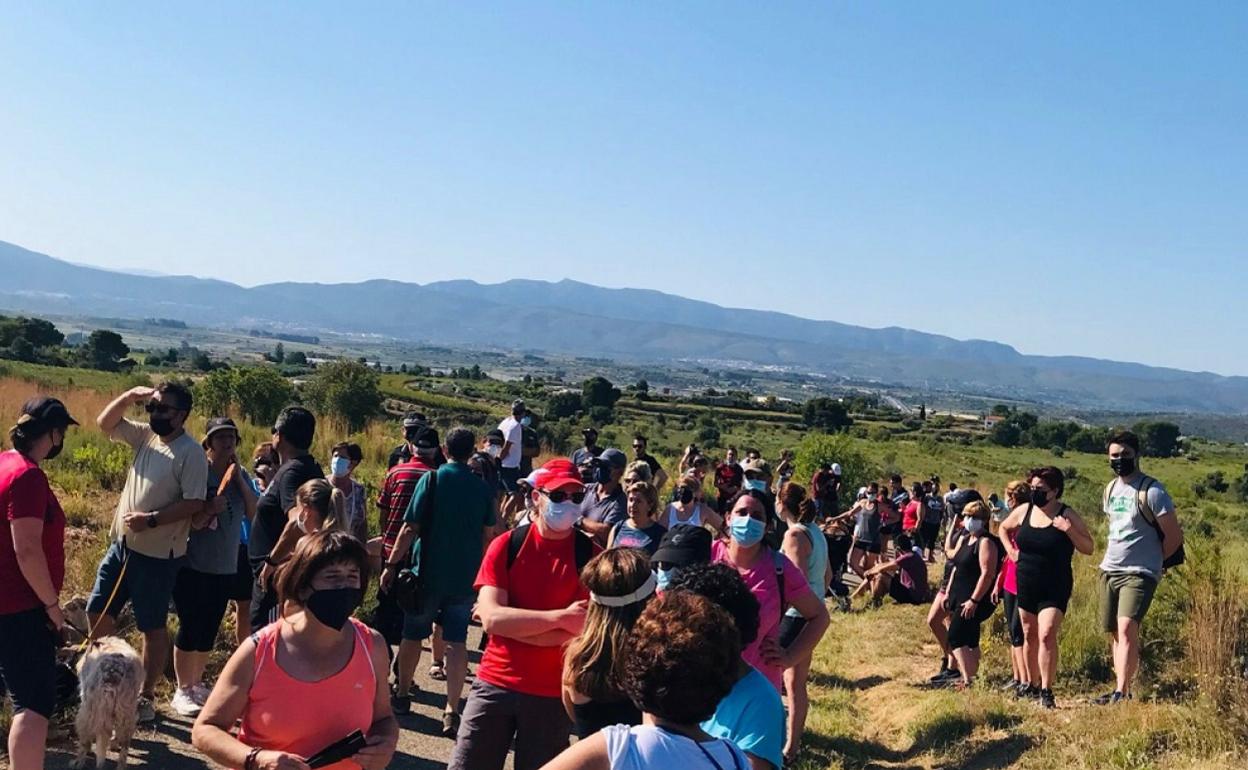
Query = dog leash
x=90 y=636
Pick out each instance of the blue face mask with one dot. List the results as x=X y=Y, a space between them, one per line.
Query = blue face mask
x=758 y=485
x=339 y=466
x=663 y=577
x=561 y=516
x=525 y=420
x=602 y=474
x=747 y=530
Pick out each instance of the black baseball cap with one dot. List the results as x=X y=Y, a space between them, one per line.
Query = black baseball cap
x=49 y=413
x=427 y=438
x=682 y=545
x=414 y=420
x=495 y=437
x=218 y=424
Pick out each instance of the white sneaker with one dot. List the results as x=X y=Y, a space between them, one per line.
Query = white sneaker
x=200 y=693
x=183 y=702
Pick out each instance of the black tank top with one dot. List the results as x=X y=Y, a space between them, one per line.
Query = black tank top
x=966 y=573
x=589 y=718
x=1043 y=551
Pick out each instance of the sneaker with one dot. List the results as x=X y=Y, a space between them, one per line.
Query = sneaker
x=1110 y=698
x=450 y=724
x=401 y=704
x=183 y=703
x=146 y=711
x=1010 y=686
x=1047 y=700
x=437 y=671
x=200 y=693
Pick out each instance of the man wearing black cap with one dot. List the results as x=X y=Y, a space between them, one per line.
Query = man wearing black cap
x=166 y=485
x=605 y=504
x=582 y=458
x=392 y=503
x=32 y=572
x=413 y=422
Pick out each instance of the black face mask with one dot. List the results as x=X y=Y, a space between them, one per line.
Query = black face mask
x=686 y=496
x=332 y=606
x=1039 y=497
x=55 y=450
x=161 y=426
x=1123 y=466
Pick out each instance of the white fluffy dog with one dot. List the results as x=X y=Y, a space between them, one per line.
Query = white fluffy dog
x=110 y=678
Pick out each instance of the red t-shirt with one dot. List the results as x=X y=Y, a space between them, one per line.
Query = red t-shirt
x=25 y=494
x=910 y=516
x=543 y=577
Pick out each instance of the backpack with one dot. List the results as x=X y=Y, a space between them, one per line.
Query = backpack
x=1141 y=501
x=582 y=546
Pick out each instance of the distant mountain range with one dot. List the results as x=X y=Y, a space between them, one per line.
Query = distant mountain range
x=633 y=325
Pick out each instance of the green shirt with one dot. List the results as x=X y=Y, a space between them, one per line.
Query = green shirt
x=462 y=509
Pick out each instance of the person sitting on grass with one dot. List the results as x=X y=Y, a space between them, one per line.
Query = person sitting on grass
x=904 y=578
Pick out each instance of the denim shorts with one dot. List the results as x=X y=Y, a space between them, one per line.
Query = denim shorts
x=147 y=584
x=451 y=614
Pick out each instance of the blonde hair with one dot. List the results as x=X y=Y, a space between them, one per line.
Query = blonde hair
x=648 y=492
x=976 y=509
x=593 y=661
x=328 y=502
x=640 y=469
x=1016 y=492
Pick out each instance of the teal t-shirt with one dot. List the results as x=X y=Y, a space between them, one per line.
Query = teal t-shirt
x=462 y=508
x=751 y=715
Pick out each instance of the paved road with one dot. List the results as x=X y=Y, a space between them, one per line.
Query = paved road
x=167 y=744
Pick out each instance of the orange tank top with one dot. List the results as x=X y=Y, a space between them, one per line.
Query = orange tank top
x=286 y=714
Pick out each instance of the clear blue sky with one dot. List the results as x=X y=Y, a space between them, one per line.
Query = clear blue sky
x=1069 y=180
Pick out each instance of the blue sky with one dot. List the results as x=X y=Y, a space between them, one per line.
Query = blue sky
x=1069 y=180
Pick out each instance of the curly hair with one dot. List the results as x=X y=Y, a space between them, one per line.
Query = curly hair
x=593 y=659
x=723 y=585
x=682 y=658
x=1052 y=477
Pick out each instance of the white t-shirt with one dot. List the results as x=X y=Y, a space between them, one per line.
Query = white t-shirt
x=643 y=747
x=514 y=433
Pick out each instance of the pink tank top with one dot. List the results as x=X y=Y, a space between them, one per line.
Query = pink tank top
x=286 y=714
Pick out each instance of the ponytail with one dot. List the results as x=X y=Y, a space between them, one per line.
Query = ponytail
x=328 y=502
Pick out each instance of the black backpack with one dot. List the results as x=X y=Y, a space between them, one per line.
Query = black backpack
x=582 y=546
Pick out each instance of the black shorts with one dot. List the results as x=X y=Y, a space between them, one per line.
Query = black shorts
x=868 y=546
x=1013 y=622
x=929 y=534
x=790 y=627
x=901 y=594
x=240 y=589
x=200 y=599
x=1044 y=591
x=28 y=661
x=965 y=632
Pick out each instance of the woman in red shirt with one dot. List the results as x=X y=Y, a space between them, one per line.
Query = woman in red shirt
x=32 y=570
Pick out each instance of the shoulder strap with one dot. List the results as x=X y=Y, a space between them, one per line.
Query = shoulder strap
x=1141 y=499
x=1109 y=489
x=515 y=541
x=426 y=503
x=776 y=559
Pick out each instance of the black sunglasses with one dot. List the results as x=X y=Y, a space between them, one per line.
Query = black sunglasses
x=152 y=407
x=558 y=496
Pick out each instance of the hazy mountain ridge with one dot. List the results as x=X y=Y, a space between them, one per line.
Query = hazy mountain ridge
x=640 y=325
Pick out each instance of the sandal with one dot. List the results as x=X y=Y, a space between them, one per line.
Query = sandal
x=437 y=671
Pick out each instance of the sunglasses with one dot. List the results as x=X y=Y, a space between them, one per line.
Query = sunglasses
x=152 y=407
x=558 y=496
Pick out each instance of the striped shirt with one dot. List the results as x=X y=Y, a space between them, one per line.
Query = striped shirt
x=396 y=493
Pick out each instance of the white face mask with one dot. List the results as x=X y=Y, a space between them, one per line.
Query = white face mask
x=494 y=450
x=561 y=516
x=973 y=526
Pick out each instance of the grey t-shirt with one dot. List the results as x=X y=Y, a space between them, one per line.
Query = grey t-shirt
x=215 y=550
x=611 y=509
x=1134 y=545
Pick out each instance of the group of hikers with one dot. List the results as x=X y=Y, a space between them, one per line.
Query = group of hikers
x=656 y=625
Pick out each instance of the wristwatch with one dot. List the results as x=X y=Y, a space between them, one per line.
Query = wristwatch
x=152 y=523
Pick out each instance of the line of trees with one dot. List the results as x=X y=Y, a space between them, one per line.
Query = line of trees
x=1018 y=428
x=38 y=341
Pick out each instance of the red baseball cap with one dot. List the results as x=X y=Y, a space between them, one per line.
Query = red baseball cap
x=559 y=473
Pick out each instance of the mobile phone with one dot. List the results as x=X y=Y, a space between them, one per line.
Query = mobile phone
x=336 y=752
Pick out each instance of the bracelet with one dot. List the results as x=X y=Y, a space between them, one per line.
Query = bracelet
x=250 y=762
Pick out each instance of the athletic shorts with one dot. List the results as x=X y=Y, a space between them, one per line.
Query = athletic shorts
x=790 y=627
x=28 y=661
x=965 y=632
x=451 y=615
x=1013 y=621
x=901 y=594
x=200 y=599
x=1125 y=595
x=240 y=587
x=147 y=584
x=868 y=546
x=1045 y=591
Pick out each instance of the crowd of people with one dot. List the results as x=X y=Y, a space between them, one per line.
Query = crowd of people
x=655 y=625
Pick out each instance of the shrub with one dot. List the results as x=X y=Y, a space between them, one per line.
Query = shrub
x=827 y=414
x=346 y=389
x=107 y=466
x=817 y=449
